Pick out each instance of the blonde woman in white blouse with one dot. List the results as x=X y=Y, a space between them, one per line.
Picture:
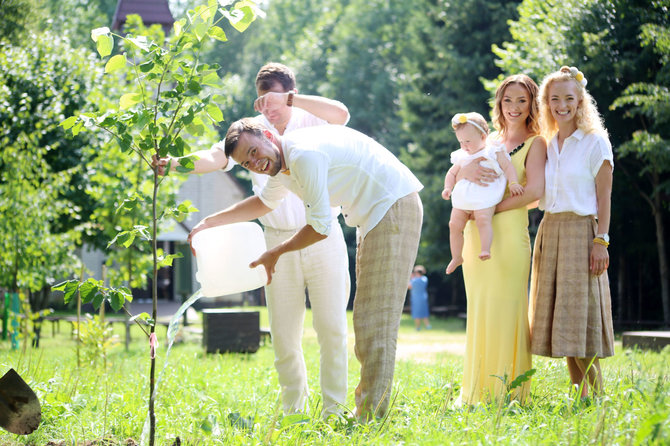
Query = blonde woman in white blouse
x=570 y=304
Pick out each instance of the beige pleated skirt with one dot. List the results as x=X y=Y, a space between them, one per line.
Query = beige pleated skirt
x=570 y=309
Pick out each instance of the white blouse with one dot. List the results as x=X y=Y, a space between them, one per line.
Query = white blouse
x=570 y=174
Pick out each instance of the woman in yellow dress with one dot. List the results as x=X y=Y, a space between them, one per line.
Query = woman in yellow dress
x=498 y=340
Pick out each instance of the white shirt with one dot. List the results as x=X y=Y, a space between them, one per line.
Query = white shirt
x=336 y=165
x=290 y=215
x=570 y=174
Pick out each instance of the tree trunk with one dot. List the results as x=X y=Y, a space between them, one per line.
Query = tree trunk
x=154 y=315
x=662 y=258
x=621 y=290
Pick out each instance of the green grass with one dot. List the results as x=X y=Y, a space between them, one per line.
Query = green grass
x=201 y=396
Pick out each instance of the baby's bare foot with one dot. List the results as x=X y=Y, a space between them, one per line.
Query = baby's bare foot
x=455 y=263
x=484 y=255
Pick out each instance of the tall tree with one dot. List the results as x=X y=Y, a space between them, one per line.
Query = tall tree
x=649 y=104
x=39 y=84
x=448 y=56
x=18 y=18
x=362 y=65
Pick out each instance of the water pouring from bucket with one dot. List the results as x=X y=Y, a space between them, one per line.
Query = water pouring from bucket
x=223 y=255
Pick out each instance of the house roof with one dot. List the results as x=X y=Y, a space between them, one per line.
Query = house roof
x=151 y=11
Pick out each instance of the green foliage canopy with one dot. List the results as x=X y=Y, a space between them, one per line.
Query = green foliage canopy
x=39 y=85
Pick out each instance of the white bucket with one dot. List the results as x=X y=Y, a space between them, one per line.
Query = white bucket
x=223 y=255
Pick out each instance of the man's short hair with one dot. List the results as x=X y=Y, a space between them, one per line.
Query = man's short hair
x=272 y=73
x=237 y=128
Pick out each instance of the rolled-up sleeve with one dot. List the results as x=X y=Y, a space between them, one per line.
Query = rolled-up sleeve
x=272 y=193
x=310 y=172
x=601 y=152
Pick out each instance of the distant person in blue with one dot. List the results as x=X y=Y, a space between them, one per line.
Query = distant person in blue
x=418 y=289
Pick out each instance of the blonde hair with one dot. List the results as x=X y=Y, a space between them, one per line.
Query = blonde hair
x=533 y=119
x=587 y=117
x=470 y=118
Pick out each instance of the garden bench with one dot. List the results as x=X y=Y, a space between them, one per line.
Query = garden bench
x=646 y=340
x=55 y=324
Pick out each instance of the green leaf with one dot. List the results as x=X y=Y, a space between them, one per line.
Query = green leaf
x=107 y=121
x=69 y=288
x=147 y=66
x=115 y=63
x=187 y=118
x=217 y=33
x=128 y=204
x=97 y=300
x=126 y=142
x=104 y=45
x=60 y=286
x=128 y=295
x=88 y=290
x=69 y=122
x=142 y=231
x=521 y=379
x=176 y=148
x=183 y=209
x=186 y=163
x=142 y=316
x=186 y=206
x=167 y=260
x=196 y=129
x=116 y=299
x=123 y=238
x=178 y=27
x=200 y=30
x=97 y=32
x=143 y=119
x=129 y=99
x=78 y=127
x=140 y=42
x=243 y=15
x=212 y=79
x=214 y=112
x=194 y=87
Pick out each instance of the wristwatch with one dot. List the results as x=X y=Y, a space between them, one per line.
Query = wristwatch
x=604 y=236
x=289 y=99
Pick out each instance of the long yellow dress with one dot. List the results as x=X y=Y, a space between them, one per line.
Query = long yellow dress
x=498 y=337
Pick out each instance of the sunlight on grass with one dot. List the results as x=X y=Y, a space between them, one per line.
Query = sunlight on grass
x=233 y=399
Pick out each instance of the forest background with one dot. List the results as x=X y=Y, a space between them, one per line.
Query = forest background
x=402 y=68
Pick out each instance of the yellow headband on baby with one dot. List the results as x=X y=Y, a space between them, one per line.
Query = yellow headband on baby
x=462 y=118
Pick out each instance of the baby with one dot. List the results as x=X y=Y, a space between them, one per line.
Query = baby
x=469 y=198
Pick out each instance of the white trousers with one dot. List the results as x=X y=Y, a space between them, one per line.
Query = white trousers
x=322 y=268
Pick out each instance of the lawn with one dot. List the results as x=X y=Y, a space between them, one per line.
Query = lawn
x=233 y=399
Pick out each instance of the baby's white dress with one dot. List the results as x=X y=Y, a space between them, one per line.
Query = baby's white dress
x=470 y=196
